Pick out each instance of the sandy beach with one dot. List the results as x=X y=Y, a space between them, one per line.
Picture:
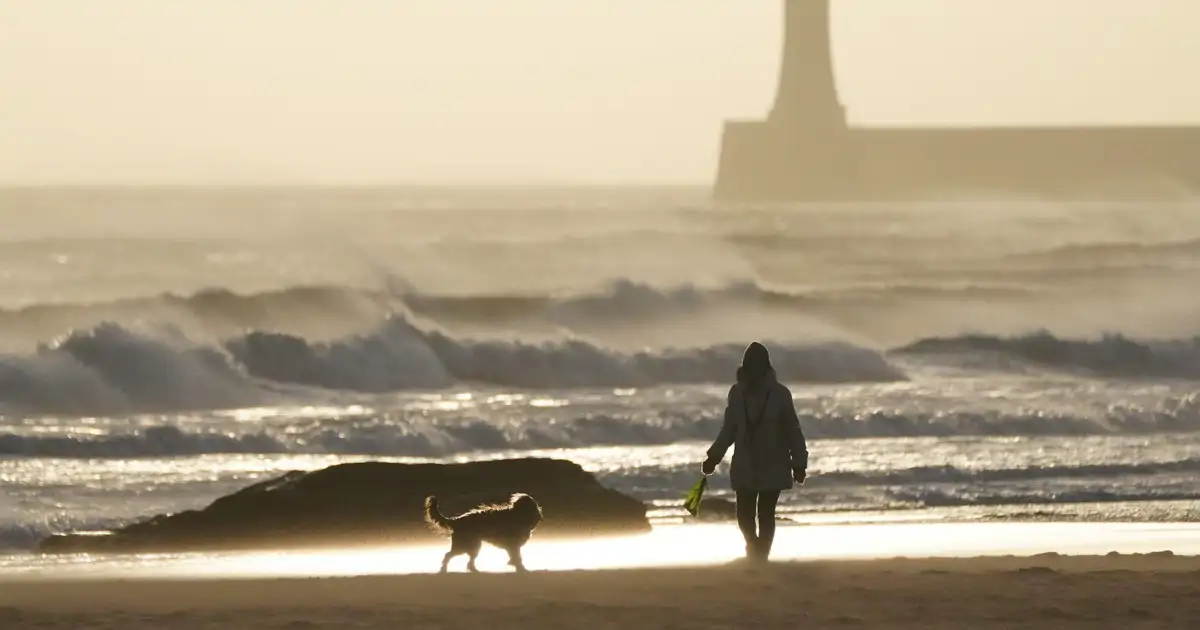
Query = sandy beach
x=1048 y=591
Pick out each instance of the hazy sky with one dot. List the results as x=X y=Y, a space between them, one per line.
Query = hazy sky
x=328 y=91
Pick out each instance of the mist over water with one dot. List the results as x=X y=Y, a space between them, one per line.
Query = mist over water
x=627 y=268
x=175 y=299
x=946 y=355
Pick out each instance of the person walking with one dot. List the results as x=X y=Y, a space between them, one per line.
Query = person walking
x=769 y=448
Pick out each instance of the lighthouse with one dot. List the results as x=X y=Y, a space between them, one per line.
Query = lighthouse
x=802 y=149
x=805 y=151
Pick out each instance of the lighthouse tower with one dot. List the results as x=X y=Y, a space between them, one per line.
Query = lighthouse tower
x=807 y=95
x=802 y=149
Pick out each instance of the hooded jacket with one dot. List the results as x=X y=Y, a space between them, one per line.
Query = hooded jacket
x=762 y=427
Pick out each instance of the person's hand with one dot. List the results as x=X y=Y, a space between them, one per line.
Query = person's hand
x=799 y=475
x=708 y=467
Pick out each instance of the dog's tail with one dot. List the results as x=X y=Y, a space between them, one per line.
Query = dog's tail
x=435 y=518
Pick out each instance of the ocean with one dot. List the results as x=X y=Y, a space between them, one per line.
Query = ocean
x=950 y=360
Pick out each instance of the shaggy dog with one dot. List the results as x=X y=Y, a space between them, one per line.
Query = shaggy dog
x=506 y=525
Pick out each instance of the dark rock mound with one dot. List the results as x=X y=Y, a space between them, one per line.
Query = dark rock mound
x=371 y=503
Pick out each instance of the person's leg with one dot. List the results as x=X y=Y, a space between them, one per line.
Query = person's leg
x=766 y=521
x=746 y=505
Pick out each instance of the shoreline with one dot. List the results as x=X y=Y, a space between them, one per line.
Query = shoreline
x=696 y=545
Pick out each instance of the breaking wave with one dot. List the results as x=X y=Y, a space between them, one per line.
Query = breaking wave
x=111 y=368
x=952 y=474
x=398 y=434
x=1111 y=356
x=941 y=498
x=25 y=535
x=398 y=355
x=938 y=482
x=1169 y=415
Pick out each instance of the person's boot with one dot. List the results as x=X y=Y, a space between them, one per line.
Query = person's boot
x=751 y=552
x=763 y=549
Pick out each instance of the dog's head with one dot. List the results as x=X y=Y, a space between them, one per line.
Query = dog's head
x=525 y=504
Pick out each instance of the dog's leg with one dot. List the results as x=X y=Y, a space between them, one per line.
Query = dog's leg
x=472 y=550
x=446 y=561
x=514 y=558
x=457 y=548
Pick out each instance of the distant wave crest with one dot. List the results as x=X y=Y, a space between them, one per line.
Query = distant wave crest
x=628 y=300
x=1111 y=355
x=1091 y=253
x=620 y=301
x=213 y=306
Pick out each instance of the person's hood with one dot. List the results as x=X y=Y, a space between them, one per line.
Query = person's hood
x=756 y=361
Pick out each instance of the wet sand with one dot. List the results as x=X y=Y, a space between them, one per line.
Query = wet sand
x=1045 y=591
x=666 y=546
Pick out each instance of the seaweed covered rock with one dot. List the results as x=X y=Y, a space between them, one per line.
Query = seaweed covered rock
x=370 y=503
